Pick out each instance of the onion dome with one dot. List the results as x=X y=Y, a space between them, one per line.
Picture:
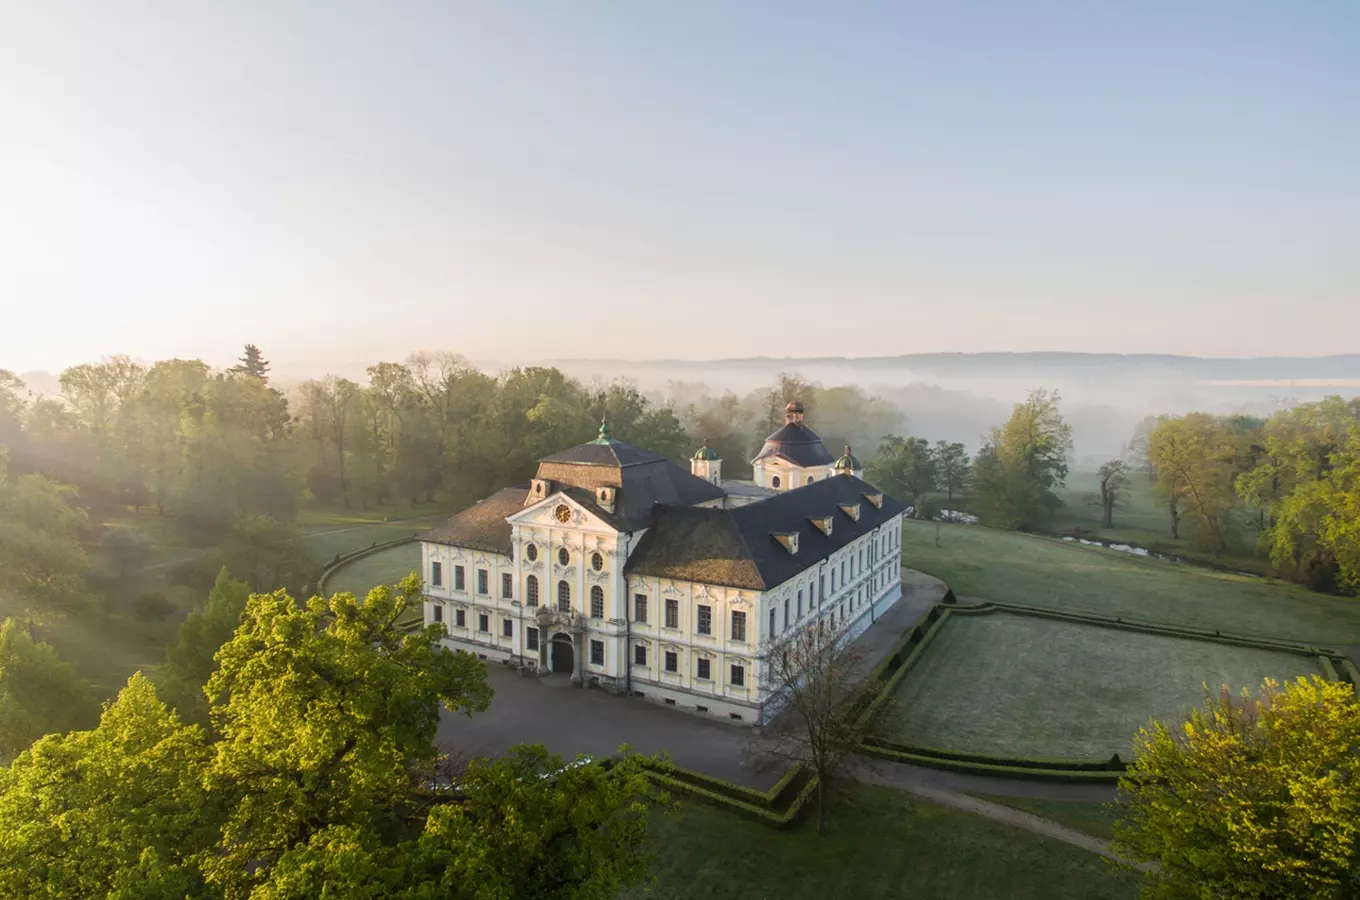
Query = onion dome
x=706 y=453
x=847 y=463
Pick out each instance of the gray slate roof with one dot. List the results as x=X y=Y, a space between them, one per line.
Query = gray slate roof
x=798 y=444
x=482 y=526
x=643 y=482
x=736 y=547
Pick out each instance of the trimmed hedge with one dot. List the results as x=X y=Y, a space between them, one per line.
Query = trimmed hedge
x=758 y=806
x=906 y=665
x=1026 y=773
x=1352 y=674
x=1112 y=764
x=1328 y=670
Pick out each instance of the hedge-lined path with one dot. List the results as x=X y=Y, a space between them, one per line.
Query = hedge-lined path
x=910 y=778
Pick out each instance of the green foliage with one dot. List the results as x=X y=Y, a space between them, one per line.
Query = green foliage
x=268 y=554
x=315 y=780
x=189 y=661
x=42 y=566
x=953 y=469
x=126 y=550
x=1022 y=462
x=1252 y=797
x=904 y=467
x=39 y=693
x=151 y=607
x=119 y=811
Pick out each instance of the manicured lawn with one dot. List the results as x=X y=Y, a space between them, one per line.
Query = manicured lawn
x=384 y=567
x=1010 y=684
x=885 y=846
x=1095 y=819
x=1018 y=568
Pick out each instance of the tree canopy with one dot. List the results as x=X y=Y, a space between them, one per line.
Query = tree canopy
x=1252 y=797
x=314 y=780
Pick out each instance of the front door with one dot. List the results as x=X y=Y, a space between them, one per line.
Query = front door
x=563 y=660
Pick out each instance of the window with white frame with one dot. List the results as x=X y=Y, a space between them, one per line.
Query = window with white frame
x=531 y=639
x=436 y=574
x=703 y=669
x=672 y=661
x=704 y=621
x=507 y=585
x=738 y=625
x=640 y=608
x=672 y=613
x=597 y=653
x=737 y=675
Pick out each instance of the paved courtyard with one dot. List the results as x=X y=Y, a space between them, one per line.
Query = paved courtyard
x=570 y=721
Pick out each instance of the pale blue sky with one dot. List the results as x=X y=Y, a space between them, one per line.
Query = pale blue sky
x=514 y=180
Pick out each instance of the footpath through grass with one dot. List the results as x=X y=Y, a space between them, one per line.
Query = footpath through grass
x=1095 y=819
x=1017 y=685
x=886 y=845
x=1010 y=567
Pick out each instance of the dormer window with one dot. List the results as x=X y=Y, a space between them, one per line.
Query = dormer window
x=823 y=524
x=875 y=499
x=788 y=540
x=539 y=489
x=851 y=510
x=604 y=498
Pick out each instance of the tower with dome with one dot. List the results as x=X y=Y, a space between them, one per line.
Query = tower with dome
x=616 y=568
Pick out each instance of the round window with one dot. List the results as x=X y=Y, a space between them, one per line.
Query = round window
x=531 y=552
x=563 y=513
x=596 y=562
x=563 y=556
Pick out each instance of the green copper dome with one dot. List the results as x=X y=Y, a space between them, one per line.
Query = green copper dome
x=847 y=463
x=706 y=453
x=605 y=437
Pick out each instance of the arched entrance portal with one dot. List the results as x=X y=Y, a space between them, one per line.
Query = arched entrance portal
x=562 y=655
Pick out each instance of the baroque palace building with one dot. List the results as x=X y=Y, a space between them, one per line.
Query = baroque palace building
x=619 y=569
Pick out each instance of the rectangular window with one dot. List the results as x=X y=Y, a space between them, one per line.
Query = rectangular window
x=438 y=612
x=458 y=578
x=771 y=634
x=459 y=618
x=640 y=608
x=738 y=676
x=640 y=655
x=507 y=585
x=531 y=639
x=597 y=653
x=672 y=661
x=481 y=581
x=703 y=671
x=786 y=612
x=821 y=588
x=800 y=604
x=436 y=574
x=483 y=622
x=833 y=579
x=738 y=626
x=508 y=628
x=672 y=613
x=705 y=622
x=842 y=571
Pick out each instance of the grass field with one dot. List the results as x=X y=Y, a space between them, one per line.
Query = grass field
x=328 y=532
x=886 y=845
x=1142 y=519
x=384 y=567
x=1010 y=684
x=1095 y=819
x=1018 y=568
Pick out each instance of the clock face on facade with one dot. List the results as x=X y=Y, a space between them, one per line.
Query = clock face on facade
x=563 y=513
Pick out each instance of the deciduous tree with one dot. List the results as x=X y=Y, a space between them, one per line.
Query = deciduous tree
x=1252 y=797
x=1114 y=486
x=952 y=467
x=39 y=693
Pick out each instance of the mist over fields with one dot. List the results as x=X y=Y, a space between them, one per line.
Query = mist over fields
x=961 y=396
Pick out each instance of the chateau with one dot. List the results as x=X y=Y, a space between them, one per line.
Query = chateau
x=622 y=570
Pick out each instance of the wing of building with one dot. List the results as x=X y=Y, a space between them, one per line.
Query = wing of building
x=617 y=568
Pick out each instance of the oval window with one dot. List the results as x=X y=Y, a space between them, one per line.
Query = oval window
x=774 y=482
x=596 y=562
x=531 y=552
x=563 y=556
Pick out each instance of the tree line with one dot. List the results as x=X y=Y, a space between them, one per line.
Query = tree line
x=1288 y=484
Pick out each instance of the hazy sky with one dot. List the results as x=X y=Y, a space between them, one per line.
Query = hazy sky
x=513 y=180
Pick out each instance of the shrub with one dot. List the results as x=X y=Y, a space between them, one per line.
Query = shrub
x=199 y=573
x=151 y=607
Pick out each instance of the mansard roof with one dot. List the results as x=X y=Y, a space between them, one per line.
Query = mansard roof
x=798 y=444
x=738 y=547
